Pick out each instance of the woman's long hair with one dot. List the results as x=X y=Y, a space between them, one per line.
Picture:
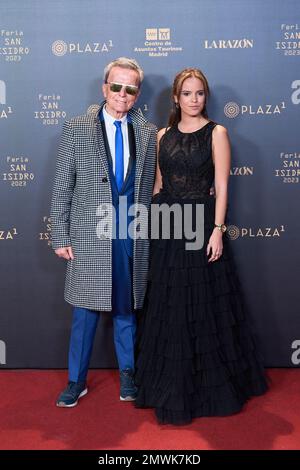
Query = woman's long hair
x=175 y=115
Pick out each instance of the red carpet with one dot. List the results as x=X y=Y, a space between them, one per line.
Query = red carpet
x=29 y=418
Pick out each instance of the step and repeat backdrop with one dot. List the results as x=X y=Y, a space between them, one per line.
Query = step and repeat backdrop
x=52 y=55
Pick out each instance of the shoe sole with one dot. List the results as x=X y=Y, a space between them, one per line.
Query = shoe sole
x=61 y=404
x=127 y=398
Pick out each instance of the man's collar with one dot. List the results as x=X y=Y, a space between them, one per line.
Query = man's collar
x=111 y=119
x=133 y=115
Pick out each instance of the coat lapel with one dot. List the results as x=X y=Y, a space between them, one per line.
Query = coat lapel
x=100 y=143
x=142 y=134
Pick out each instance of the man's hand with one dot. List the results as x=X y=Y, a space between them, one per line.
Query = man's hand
x=66 y=252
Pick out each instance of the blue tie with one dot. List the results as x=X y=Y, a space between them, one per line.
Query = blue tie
x=119 y=148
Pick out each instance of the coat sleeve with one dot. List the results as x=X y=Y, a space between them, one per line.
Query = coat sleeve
x=63 y=188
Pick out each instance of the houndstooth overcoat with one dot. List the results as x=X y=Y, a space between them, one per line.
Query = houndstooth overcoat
x=81 y=184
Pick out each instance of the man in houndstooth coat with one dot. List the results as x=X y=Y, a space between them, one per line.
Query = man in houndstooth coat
x=104 y=273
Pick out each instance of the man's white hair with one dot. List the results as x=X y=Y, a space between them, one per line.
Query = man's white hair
x=124 y=63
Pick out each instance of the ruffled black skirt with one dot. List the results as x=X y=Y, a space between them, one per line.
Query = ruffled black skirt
x=196 y=355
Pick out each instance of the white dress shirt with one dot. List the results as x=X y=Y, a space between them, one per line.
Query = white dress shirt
x=111 y=132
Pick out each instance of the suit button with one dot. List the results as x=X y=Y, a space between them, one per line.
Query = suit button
x=104 y=180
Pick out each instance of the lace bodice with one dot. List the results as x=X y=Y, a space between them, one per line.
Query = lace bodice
x=185 y=161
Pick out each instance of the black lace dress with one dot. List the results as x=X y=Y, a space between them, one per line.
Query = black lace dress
x=195 y=353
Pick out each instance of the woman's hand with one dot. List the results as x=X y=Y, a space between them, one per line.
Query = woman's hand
x=215 y=245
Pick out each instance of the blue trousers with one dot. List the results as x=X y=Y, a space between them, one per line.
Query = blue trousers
x=85 y=321
x=82 y=338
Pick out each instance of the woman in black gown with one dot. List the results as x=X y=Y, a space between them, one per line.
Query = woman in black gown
x=195 y=353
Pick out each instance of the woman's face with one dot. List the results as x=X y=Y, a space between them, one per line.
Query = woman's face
x=192 y=97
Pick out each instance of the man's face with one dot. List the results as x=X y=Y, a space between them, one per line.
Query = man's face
x=118 y=103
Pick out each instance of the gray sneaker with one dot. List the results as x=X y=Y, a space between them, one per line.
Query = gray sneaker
x=128 y=389
x=70 y=396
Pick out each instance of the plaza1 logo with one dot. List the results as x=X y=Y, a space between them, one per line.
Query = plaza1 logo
x=295 y=358
x=93 y=109
x=45 y=234
x=17 y=171
x=289 y=43
x=290 y=167
x=158 y=43
x=143 y=109
x=49 y=112
x=8 y=234
x=2 y=352
x=296 y=94
x=61 y=48
x=233 y=109
x=234 y=232
x=5 y=111
x=12 y=48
